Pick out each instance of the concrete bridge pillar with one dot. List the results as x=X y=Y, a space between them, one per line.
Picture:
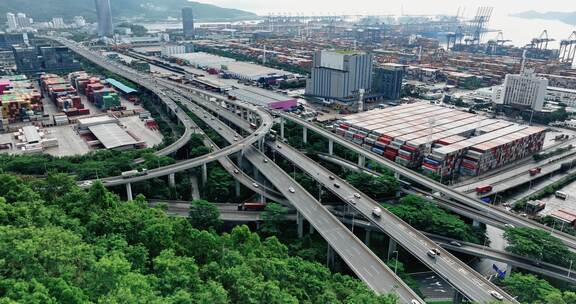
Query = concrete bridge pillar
x=331 y=147
x=281 y=127
x=300 y=221
x=397 y=175
x=475 y=223
x=367 y=237
x=204 y=174
x=129 y=191
x=392 y=246
x=457 y=299
x=361 y=161
x=508 y=270
x=237 y=188
x=330 y=257
x=172 y=180
x=305 y=135
x=311 y=229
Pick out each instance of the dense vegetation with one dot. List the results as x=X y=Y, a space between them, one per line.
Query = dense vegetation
x=530 y=289
x=539 y=245
x=60 y=244
x=149 y=9
x=428 y=217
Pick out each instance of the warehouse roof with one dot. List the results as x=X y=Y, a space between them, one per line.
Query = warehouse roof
x=112 y=136
x=31 y=134
x=258 y=96
x=95 y=120
x=120 y=86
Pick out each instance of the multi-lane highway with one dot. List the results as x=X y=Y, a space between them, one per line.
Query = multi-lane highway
x=458 y=197
x=279 y=178
x=454 y=271
x=359 y=258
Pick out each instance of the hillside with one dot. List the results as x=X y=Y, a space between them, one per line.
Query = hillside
x=149 y=9
x=566 y=17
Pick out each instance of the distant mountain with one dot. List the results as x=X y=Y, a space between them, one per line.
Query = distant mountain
x=569 y=18
x=149 y=9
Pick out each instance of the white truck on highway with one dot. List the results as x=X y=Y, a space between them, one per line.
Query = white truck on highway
x=134 y=173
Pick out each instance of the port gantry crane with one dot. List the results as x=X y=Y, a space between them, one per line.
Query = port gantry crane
x=567 y=50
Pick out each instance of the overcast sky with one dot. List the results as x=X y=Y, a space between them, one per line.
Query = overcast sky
x=502 y=7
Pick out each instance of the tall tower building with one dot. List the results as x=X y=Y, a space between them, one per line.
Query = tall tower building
x=104 y=13
x=12 y=22
x=188 y=22
x=340 y=75
x=525 y=90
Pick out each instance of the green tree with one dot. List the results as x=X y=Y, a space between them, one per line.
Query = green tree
x=529 y=288
x=272 y=218
x=219 y=185
x=537 y=244
x=428 y=217
x=377 y=187
x=204 y=215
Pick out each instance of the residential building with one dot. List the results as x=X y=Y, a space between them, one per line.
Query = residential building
x=525 y=90
x=12 y=22
x=339 y=75
x=188 y=22
x=23 y=21
x=79 y=21
x=104 y=14
x=58 y=22
x=388 y=80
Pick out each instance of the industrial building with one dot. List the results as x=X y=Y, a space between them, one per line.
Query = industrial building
x=525 y=91
x=231 y=68
x=104 y=13
x=106 y=132
x=440 y=140
x=264 y=98
x=388 y=80
x=30 y=139
x=44 y=59
x=188 y=22
x=339 y=75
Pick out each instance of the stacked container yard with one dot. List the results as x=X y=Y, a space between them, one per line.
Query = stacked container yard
x=19 y=101
x=418 y=135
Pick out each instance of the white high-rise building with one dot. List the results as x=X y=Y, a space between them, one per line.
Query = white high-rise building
x=23 y=21
x=79 y=21
x=12 y=21
x=58 y=22
x=525 y=90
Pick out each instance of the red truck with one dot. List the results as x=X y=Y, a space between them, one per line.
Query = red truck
x=483 y=189
x=251 y=206
x=535 y=171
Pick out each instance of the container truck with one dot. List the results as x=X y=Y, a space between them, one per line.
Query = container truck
x=535 y=171
x=483 y=189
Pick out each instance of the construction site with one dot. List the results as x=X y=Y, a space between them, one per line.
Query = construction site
x=441 y=141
